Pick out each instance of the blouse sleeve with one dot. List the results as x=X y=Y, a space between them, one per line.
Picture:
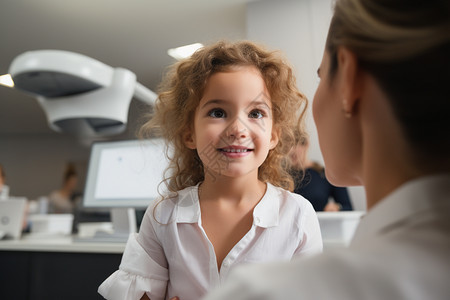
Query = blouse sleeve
x=138 y=274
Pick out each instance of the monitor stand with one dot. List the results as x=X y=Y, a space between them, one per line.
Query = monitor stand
x=123 y=224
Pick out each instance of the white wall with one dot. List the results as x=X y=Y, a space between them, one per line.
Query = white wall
x=298 y=28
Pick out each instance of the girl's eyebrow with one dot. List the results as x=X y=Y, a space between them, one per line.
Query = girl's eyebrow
x=214 y=101
x=224 y=102
x=259 y=103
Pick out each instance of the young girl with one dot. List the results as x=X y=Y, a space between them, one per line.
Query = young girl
x=228 y=113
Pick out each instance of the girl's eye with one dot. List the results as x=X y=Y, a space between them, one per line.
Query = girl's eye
x=256 y=114
x=217 y=113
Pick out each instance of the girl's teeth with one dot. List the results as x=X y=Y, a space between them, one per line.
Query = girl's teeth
x=235 y=150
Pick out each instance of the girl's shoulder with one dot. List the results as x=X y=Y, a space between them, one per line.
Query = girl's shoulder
x=288 y=198
x=164 y=208
x=291 y=208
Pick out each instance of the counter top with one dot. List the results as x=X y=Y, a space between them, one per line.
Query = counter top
x=60 y=244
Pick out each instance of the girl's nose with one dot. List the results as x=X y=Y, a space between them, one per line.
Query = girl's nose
x=237 y=129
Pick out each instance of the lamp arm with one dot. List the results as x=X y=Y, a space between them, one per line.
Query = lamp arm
x=144 y=94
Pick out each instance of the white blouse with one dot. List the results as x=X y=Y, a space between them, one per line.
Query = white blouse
x=172 y=256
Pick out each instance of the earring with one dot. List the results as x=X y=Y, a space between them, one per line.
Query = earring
x=347 y=114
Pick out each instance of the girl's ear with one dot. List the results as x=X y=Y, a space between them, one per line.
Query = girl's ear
x=274 y=138
x=189 y=139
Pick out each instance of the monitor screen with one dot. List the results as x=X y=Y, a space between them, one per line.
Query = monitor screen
x=125 y=173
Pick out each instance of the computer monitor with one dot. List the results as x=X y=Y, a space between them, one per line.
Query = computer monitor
x=122 y=176
x=12 y=214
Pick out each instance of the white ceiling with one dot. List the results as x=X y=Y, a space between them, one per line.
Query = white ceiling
x=132 y=34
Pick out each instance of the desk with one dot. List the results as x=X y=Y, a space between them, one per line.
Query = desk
x=55 y=268
x=60 y=268
x=338 y=228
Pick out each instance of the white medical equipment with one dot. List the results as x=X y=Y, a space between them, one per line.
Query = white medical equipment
x=80 y=95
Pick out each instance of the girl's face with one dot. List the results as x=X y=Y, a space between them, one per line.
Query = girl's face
x=233 y=124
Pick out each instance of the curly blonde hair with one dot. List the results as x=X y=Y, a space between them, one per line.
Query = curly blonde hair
x=180 y=94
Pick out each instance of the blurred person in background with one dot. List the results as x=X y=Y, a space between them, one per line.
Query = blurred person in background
x=4 y=189
x=312 y=182
x=63 y=200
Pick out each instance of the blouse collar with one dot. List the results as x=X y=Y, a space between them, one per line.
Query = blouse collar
x=265 y=214
x=411 y=198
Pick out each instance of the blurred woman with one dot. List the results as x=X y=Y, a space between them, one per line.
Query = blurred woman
x=62 y=201
x=4 y=189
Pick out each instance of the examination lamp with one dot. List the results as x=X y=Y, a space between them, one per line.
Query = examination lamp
x=79 y=95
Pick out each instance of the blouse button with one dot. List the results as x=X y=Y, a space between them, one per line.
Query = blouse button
x=257 y=220
x=226 y=263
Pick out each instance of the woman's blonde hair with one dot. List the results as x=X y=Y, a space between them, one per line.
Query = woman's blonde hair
x=182 y=89
x=405 y=46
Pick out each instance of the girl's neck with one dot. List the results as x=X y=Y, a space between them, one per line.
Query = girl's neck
x=230 y=189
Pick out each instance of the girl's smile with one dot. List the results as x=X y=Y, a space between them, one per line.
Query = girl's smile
x=235 y=151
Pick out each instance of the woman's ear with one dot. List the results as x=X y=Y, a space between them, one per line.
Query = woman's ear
x=189 y=139
x=351 y=81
